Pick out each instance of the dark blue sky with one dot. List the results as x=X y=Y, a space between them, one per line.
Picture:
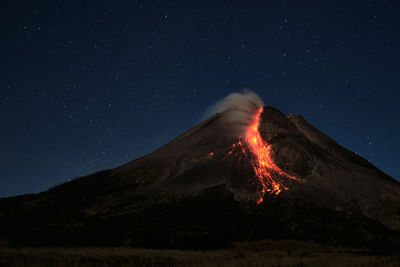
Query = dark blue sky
x=89 y=86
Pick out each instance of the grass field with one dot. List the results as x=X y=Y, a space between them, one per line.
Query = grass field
x=263 y=253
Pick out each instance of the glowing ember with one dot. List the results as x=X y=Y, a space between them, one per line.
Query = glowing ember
x=258 y=152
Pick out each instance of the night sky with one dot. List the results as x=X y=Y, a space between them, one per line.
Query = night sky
x=90 y=85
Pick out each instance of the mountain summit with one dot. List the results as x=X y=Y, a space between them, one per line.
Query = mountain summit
x=248 y=172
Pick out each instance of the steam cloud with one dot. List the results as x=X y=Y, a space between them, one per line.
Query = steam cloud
x=238 y=108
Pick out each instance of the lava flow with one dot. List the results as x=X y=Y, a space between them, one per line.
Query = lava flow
x=258 y=152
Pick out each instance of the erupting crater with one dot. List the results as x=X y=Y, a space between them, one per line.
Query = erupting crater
x=258 y=152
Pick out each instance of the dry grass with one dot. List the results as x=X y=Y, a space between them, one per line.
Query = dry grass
x=264 y=253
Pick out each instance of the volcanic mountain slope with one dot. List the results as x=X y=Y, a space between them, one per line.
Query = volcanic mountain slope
x=199 y=191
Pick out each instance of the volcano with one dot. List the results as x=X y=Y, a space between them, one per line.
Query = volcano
x=231 y=178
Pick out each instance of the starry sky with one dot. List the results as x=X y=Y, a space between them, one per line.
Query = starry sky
x=90 y=85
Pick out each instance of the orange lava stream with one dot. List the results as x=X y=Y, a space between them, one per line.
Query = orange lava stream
x=258 y=152
x=267 y=172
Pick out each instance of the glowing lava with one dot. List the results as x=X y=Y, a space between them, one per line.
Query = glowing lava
x=258 y=152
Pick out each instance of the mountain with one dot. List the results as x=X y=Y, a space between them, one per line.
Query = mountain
x=201 y=191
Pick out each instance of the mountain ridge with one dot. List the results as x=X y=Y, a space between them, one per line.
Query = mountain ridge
x=131 y=203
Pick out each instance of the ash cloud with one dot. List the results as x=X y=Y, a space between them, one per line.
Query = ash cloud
x=238 y=109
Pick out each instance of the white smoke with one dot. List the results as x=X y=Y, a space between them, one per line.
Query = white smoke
x=238 y=109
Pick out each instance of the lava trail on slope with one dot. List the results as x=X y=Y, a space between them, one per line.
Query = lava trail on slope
x=258 y=152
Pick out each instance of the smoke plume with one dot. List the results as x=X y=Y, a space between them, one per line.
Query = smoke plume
x=238 y=109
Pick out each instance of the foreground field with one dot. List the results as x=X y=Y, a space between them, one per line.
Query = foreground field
x=264 y=253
